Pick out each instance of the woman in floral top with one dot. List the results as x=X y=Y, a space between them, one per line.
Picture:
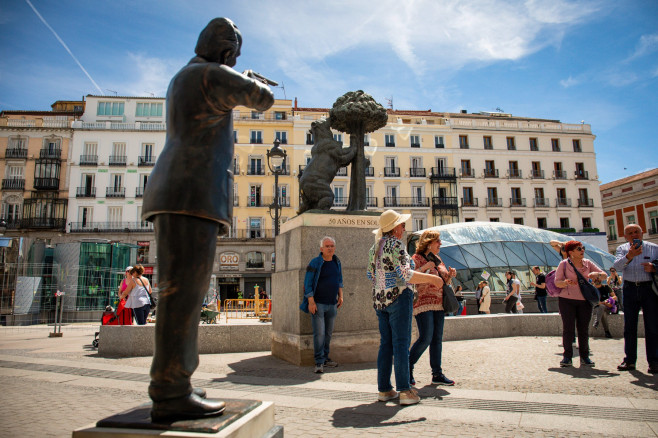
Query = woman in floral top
x=428 y=309
x=391 y=271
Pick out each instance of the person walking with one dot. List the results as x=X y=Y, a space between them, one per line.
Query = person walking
x=138 y=292
x=484 y=302
x=323 y=295
x=428 y=308
x=391 y=271
x=575 y=310
x=513 y=292
x=540 y=289
x=633 y=259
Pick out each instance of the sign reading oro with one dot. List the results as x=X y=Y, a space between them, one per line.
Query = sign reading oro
x=228 y=261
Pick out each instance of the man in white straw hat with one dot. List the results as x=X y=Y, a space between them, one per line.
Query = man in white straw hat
x=391 y=271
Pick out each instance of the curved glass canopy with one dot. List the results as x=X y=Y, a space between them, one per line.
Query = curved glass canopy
x=479 y=250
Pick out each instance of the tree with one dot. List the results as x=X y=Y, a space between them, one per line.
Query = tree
x=356 y=113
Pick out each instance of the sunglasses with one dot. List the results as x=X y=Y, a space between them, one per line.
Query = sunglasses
x=580 y=248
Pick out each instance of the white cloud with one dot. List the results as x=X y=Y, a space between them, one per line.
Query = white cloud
x=647 y=45
x=569 y=82
x=147 y=75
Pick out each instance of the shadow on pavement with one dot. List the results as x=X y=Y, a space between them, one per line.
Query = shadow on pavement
x=644 y=380
x=583 y=372
x=366 y=415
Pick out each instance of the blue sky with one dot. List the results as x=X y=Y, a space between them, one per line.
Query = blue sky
x=595 y=60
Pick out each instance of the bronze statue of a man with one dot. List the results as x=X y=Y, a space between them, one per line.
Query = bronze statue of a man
x=189 y=200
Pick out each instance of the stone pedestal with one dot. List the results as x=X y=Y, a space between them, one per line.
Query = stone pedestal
x=241 y=418
x=356 y=333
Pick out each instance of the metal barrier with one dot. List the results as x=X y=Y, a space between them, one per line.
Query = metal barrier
x=248 y=308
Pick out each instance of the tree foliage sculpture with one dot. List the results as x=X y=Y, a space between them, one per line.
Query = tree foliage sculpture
x=356 y=113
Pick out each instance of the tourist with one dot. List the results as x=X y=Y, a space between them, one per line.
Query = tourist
x=428 y=308
x=124 y=313
x=484 y=302
x=323 y=295
x=138 y=292
x=633 y=260
x=615 y=283
x=606 y=306
x=540 y=289
x=459 y=294
x=391 y=271
x=575 y=310
x=513 y=293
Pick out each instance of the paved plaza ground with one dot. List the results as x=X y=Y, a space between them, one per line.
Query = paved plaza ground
x=505 y=387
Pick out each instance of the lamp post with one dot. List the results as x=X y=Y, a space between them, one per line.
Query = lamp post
x=275 y=159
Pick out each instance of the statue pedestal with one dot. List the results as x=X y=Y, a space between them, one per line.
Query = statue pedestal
x=241 y=418
x=356 y=334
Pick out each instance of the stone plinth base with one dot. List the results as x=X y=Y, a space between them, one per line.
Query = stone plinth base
x=356 y=333
x=242 y=418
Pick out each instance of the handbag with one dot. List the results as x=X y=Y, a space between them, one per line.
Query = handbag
x=450 y=302
x=589 y=291
x=152 y=299
x=551 y=288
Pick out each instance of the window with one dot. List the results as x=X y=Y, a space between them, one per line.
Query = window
x=114 y=215
x=511 y=144
x=392 y=193
x=309 y=138
x=536 y=170
x=256 y=137
x=147 y=152
x=279 y=115
x=418 y=195
x=110 y=109
x=236 y=199
x=282 y=136
x=235 y=136
x=630 y=219
x=576 y=146
x=580 y=171
x=540 y=201
x=116 y=181
x=555 y=144
x=492 y=197
x=494 y=219
x=85 y=216
x=490 y=169
x=389 y=139
x=541 y=222
x=256 y=166
x=149 y=109
x=564 y=222
x=254 y=196
x=463 y=141
x=583 y=198
x=438 y=142
x=255 y=260
x=466 y=168
x=419 y=223
x=119 y=149
x=514 y=171
x=558 y=173
x=612 y=230
x=534 y=145
x=562 y=200
x=469 y=219
x=339 y=196
x=15 y=172
x=391 y=168
x=11 y=211
x=366 y=139
x=487 y=142
x=467 y=199
x=414 y=141
x=89 y=153
x=254 y=230
x=653 y=221
x=338 y=137
x=516 y=200
x=518 y=220
x=257 y=115
x=587 y=222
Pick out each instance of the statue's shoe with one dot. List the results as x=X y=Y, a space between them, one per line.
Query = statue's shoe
x=186 y=408
x=200 y=392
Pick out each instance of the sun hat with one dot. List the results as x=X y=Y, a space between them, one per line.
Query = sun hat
x=129 y=268
x=389 y=220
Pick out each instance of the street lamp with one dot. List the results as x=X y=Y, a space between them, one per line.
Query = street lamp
x=275 y=159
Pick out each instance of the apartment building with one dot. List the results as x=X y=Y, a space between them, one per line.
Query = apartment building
x=631 y=200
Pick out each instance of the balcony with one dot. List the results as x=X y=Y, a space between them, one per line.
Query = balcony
x=390 y=145
x=585 y=202
x=410 y=202
x=146 y=161
x=392 y=171
x=371 y=201
x=342 y=171
x=517 y=202
x=85 y=192
x=417 y=172
x=494 y=202
x=443 y=173
x=256 y=201
x=139 y=192
x=491 y=173
x=57 y=223
x=114 y=227
x=117 y=160
x=444 y=202
x=46 y=183
x=467 y=172
x=256 y=140
x=415 y=145
x=249 y=233
x=267 y=201
x=115 y=192
x=13 y=184
x=370 y=171
x=581 y=174
x=88 y=160
x=469 y=202
x=16 y=153
x=560 y=174
x=537 y=174
x=562 y=202
x=340 y=201
x=251 y=170
x=50 y=153
x=514 y=173
x=542 y=203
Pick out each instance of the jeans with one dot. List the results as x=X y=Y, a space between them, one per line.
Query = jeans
x=541 y=304
x=636 y=298
x=395 y=337
x=510 y=305
x=575 y=314
x=323 y=327
x=141 y=313
x=430 y=334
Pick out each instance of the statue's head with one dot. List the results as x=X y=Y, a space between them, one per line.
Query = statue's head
x=321 y=128
x=220 y=41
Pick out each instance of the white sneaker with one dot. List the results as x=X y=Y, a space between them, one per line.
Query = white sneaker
x=386 y=396
x=409 y=397
x=319 y=369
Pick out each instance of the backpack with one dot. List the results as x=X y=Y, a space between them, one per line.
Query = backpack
x=551 y=288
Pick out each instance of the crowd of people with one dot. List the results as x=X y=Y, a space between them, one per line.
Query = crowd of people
x=404 y=286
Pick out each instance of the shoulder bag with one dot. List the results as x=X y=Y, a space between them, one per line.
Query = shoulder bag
x=589 y=291
x=450 y=303
x=551 y=288
x=152 y=299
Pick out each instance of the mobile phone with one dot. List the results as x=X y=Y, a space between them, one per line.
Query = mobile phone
x=637 y=243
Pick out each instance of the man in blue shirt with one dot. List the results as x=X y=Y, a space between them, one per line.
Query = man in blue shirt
x=323 y=295
x=633 y=260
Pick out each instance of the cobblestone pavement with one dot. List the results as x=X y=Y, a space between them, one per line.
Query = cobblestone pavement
x=505 y=387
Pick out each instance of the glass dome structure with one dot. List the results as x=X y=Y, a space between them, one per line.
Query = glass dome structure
x=479 y=250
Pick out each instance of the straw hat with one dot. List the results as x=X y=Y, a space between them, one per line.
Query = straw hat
x=389 y=220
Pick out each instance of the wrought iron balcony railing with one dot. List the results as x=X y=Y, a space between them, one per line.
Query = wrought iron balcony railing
x=85 y=192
